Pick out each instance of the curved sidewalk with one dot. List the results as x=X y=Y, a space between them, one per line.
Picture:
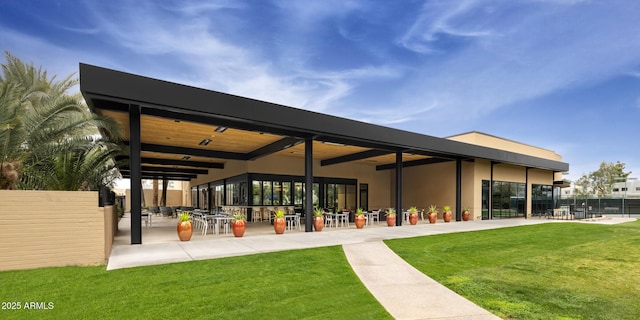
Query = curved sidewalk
x=404 y=291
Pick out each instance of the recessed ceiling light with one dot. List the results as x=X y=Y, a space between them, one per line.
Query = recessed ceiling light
x=205 y=142
x=221 y=129
x=186 y=157
x=334 y=144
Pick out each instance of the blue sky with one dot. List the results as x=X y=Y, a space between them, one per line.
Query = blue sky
x=558 y=74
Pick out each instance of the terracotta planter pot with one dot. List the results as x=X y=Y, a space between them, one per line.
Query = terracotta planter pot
x=359 y=221
x=413 y=218
x=391 y=221
x=447 y=216
x=185 y=230
x=466 y=215
x=279 y=224
x=433 y=217
x=238 y=228
x=318 y=223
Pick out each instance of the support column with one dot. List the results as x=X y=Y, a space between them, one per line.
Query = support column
x=136 y=174
x=490 y=200
x=458 y=189
x=527 y=198
x=399 y=215
x=308 y=180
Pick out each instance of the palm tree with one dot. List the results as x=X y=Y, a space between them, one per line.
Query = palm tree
x=44 y=121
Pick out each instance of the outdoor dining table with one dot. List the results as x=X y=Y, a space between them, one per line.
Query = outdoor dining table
x=293 y=221
x=339 y=218
x=369 y=217
x=219 y=220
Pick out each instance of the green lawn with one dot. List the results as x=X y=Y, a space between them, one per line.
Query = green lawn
x=549 y=271
x=312 y=284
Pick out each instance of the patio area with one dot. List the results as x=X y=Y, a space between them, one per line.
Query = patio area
x=163 y=230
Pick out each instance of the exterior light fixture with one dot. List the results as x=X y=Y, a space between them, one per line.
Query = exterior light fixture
x=334 y=144
x=221 y=129
x=205 y=142
x=186 y=157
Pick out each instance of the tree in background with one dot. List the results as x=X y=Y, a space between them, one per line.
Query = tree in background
x=44 y=131
x=599 y=182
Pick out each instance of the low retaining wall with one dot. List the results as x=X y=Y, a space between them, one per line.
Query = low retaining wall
x=53 y=228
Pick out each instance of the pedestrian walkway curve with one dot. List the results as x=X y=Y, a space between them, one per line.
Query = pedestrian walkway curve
x=402 y=290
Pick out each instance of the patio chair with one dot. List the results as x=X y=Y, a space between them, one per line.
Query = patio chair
x=375 y=216
x=166 y=211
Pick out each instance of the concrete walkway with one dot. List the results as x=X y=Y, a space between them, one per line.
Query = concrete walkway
x=405 y=293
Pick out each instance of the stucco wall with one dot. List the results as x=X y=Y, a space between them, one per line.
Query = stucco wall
x=174 y=198
x=50 y=228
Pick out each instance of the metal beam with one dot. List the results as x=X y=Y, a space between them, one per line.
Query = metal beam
x=171 y=175
x=171 y=162
x=399 y=215
x=354 y=157
x=411 y=163
x=458 y=189
x=308 y=178
x=193 y=152
x=166 y=169
x=152 y=177
x=273 y=147
x=136 y=174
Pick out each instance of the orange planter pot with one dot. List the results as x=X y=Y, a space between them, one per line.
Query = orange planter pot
x=433 y=217
x=466 y=215
x=238 y=228
x=318 y=223
x=413 y=218
x=359 y=222
x=447 y=216
x=279 y=224
x=391 y=221
x=185 y=230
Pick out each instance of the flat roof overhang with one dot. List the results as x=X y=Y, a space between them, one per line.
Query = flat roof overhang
x=278 y=127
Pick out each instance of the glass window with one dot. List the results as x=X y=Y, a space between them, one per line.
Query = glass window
x=298 y=196
x=267 y=193
x=541 y=199
x=257 y=193
x=351 y=197
x=508 y=199
x=218 y=196
x=286 y=193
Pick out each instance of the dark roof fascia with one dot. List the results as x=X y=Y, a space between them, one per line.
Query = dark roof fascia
x=163 y=94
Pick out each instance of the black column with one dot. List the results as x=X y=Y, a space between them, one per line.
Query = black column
x=308 y=180
x=490 y=214
x=458 y=190
x=526 y=191
x=136 y=174
x=399 y=215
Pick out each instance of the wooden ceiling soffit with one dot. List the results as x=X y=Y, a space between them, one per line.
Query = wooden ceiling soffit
x=212 y=119
x=413 y=163
x=354 y=157
x=182 y=163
